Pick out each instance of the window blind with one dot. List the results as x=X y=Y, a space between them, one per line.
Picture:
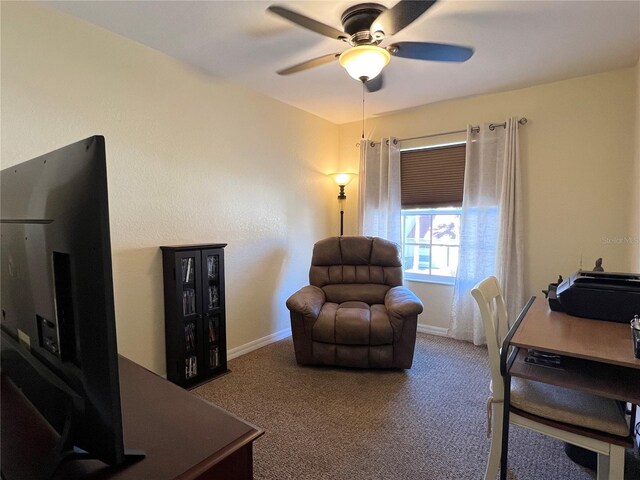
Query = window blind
x=432 y=177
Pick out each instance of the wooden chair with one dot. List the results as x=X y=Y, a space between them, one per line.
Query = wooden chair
x=588 y=421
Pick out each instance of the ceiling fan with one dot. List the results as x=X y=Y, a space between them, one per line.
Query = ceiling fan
x=365 y=27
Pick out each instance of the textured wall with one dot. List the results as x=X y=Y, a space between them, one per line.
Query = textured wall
x=578 y=163
x=190 y=160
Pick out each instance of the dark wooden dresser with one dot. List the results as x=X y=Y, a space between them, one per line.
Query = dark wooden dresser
x=183 y=436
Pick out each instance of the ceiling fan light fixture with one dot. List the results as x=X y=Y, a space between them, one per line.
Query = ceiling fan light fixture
x=364 y=62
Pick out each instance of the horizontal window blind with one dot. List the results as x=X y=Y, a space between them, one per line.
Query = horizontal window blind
x=432 y=177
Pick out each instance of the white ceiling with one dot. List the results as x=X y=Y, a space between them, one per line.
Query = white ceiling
x=517 y=44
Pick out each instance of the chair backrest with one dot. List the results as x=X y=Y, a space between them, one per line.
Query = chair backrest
x=355 y=268
x=488 y=296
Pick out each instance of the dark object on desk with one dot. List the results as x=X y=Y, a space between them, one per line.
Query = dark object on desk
x=598 y=267
x=543 y=359
x=607 y=296
x=551 y=296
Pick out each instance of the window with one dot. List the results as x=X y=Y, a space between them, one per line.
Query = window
x=430 y=244
x=432 y=180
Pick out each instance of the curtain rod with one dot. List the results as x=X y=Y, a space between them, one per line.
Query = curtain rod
x=475 y=129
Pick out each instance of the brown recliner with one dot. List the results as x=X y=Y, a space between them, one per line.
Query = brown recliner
x=356 y=312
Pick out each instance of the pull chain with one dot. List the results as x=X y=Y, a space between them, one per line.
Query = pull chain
x=363 y=110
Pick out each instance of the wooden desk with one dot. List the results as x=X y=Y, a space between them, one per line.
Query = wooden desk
x=558 y=332
x=183 y=437
x=598 y=355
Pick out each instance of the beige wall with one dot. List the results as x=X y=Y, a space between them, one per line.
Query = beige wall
x=578 y=157
x=190 y=160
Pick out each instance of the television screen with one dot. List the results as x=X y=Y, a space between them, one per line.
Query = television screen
x=56 y=299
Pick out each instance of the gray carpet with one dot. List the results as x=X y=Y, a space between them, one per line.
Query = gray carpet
x=428 y=422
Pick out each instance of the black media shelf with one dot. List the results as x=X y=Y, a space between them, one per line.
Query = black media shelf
x=194 y=307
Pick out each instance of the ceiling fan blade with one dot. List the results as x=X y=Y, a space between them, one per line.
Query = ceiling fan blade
x=375 y=84
x=308 y=23
x=440 y=52
x=316 y=62
x=399 y=16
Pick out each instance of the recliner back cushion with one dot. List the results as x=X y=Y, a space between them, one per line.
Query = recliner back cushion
x=355 y=268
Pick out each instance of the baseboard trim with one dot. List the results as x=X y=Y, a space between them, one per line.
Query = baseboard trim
x=256 y=344
x=431 y=330
x=275 y=337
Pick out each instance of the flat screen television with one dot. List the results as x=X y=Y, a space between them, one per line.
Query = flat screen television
x=57 y=309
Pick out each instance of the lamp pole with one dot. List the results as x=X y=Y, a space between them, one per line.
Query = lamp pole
x=342 y=198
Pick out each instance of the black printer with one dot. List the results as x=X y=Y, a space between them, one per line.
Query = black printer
x=601 y=295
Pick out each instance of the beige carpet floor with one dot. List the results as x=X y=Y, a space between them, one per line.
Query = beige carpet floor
x=428 y=422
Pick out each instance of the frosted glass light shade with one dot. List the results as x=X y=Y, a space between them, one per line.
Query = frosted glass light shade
x=342 y=179
x=364 y=61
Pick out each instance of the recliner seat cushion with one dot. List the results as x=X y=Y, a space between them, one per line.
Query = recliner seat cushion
x=353 y=323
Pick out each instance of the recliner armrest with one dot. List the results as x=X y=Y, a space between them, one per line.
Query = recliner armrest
x=402 y=302
x=307 y=301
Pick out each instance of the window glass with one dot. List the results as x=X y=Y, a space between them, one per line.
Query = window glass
x=431 y=244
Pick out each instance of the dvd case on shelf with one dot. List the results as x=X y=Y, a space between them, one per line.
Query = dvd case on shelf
x=214 y=357
x=214 y=298
x=187 y=270
x=212 y=267
x=190 y=336
x=188 y=302
x=190 y=366
x=212 y=329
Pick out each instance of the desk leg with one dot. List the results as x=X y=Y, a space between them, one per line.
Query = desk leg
x=505 y=428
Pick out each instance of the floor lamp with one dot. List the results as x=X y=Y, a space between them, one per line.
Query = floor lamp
x=342 y=180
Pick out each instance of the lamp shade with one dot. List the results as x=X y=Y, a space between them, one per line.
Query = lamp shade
x=364 y=61
x=342 y=179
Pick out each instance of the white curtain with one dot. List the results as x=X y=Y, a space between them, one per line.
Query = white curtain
x=379 y=201
x=491 y=227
